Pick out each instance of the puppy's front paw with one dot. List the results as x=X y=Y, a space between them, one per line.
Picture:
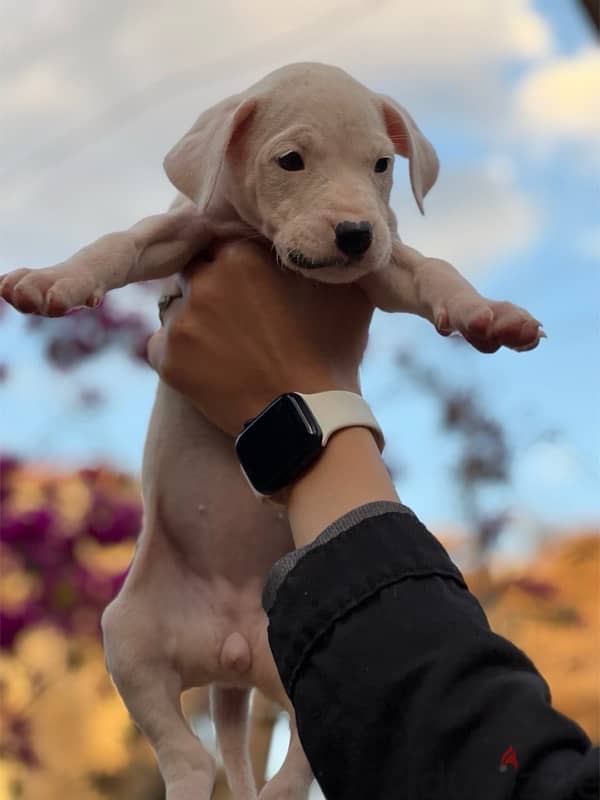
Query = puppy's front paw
x=488 y=324
x=51 y=291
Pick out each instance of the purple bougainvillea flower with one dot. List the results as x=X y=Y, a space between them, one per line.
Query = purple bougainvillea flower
x=11 y=624
x=61 y=591
x=89 y=475
x=36 y=536
x=82 y=333
x=110 y=522
x=17 y=740
x=30 y=528
x=21 y=731
x=7 y=465
x=97 y=588
x=541 y=589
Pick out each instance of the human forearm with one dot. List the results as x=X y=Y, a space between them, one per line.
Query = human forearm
x=398 y=681
x=349 y=473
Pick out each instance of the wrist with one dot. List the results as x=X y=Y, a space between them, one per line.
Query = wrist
x=315 y=383
x=286 y=439
x=349 y=473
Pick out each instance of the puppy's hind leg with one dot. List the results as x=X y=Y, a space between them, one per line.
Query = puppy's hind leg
x=151 y=689
x=294 y=778
x=230 y=715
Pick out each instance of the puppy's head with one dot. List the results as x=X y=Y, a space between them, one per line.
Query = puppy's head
x=305 y=156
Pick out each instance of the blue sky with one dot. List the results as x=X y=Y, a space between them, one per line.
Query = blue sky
x=516 y=209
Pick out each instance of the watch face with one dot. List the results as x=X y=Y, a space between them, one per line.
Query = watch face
x=279 y=444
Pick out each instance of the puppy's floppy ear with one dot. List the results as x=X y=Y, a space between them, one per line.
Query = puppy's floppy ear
x=193 y=166
x=409 y=142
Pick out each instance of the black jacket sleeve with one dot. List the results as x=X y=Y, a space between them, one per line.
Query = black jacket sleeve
x=401 y=689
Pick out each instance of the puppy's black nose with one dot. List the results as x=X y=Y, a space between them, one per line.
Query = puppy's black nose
x=353 y=238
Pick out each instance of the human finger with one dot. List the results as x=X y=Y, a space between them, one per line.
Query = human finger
x=169 y=305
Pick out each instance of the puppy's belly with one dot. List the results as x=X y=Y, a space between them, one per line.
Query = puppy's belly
x=204 y=554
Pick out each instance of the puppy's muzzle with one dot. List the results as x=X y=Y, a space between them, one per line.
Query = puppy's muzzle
x=353 y=238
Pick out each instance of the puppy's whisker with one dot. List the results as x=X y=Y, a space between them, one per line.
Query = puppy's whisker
x=278 y=260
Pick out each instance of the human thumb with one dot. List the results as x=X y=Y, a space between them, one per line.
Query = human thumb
x=155 y=349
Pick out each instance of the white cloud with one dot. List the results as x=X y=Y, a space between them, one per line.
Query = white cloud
x=442 y=60
x=559 y=102
x=423 y=37
x=43 y=88
x=473 y=217
x=528 y=32
x=587 y=246
x=499 y=169
x=31 y=23
x=553 y=464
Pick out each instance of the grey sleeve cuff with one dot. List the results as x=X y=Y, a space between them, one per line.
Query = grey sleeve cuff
x=286 y=564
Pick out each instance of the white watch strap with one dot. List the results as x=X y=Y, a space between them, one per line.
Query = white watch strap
x=336 y=410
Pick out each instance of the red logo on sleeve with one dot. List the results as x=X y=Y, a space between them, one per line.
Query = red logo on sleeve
x=509 y=758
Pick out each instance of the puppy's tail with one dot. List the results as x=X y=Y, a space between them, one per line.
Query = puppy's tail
x=230 y=714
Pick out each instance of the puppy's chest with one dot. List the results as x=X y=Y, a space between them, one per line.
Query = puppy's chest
x=197 y=500
x=229 y=554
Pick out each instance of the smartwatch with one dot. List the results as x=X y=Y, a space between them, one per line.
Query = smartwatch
x=277 y=446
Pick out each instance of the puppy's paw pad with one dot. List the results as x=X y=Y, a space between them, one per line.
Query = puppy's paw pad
x=479 y=321
x=49 y=291
x=514 y=327
x=489 y=325
x=467 y=313
x=21 y=289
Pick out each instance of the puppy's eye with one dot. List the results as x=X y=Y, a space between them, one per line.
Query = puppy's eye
x=291 y=161
x=381 y=164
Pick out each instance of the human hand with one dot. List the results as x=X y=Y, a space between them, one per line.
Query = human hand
x=245 y=331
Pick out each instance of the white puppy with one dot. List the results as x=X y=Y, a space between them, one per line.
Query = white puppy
x=303 y=158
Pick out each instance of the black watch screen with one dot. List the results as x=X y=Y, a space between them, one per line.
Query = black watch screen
x=275 y=447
